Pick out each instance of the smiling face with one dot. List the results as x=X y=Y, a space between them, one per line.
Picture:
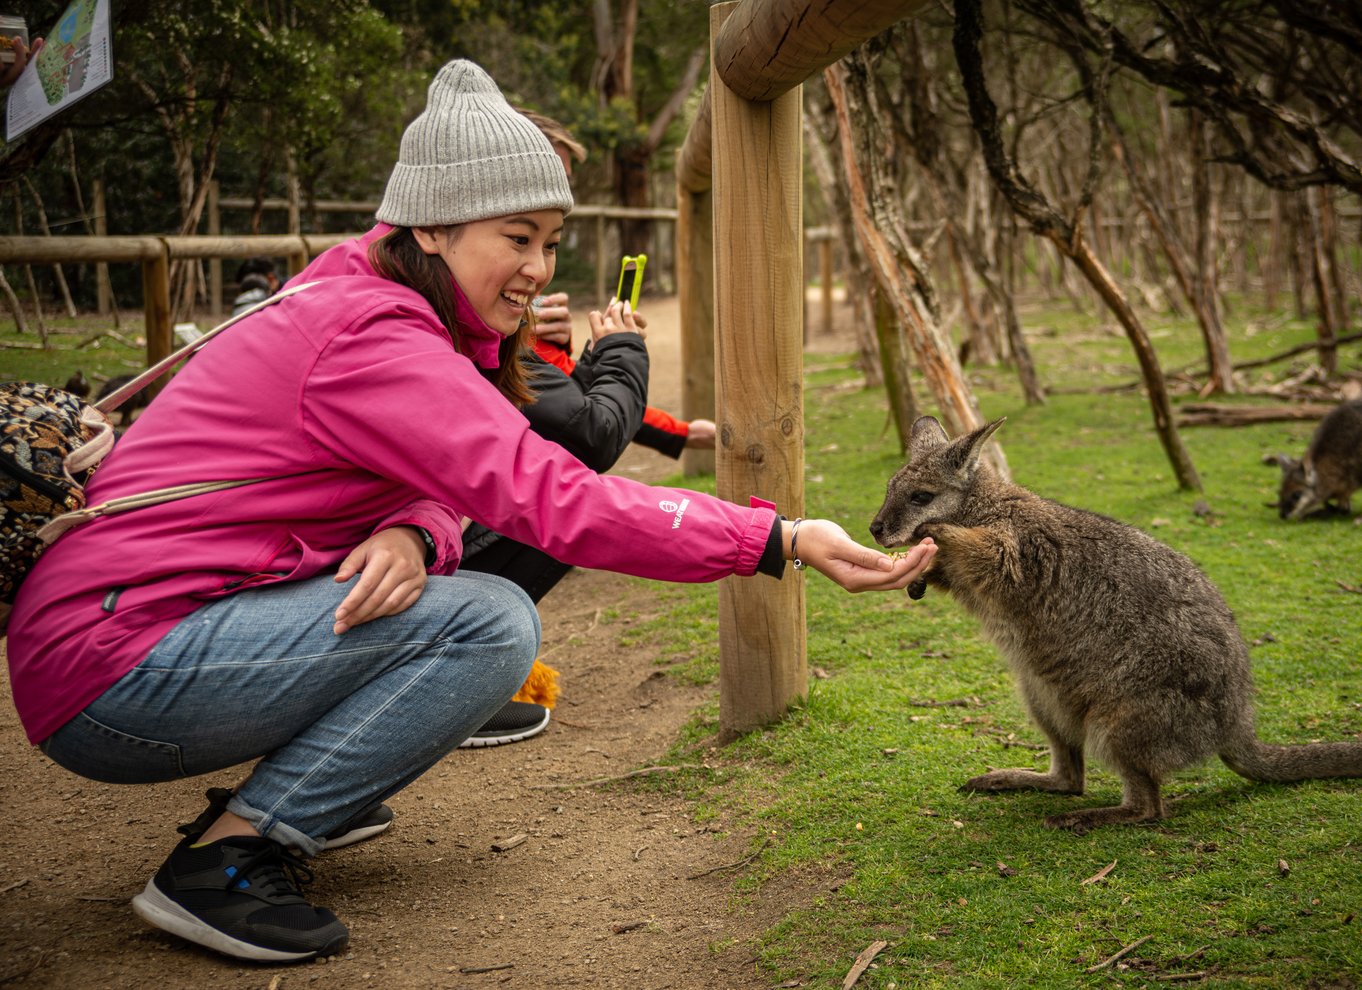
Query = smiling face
x=500 y=264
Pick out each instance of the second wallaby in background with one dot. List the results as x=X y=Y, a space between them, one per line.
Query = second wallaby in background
x=1121 y=648
x=1331 y=469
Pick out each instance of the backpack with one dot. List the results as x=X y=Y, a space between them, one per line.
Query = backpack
x=51 y=442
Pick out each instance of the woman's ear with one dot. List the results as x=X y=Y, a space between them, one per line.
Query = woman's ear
x=425 y=239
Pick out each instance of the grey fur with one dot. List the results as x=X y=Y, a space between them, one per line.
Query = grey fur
x=1331 y=469
x=1121 y=648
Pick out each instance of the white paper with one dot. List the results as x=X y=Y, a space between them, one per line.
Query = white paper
x=76 y=59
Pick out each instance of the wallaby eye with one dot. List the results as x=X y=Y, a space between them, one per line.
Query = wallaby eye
x=921 y=498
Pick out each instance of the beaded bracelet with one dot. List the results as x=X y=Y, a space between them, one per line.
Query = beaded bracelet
x=794 y=544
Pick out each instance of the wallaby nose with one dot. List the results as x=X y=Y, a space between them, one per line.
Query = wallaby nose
x=876 y=528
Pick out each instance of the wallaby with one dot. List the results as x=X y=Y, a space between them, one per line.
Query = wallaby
x=1120 y=646
x=1331 y=469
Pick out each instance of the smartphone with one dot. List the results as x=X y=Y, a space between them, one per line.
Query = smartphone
x=631 y=278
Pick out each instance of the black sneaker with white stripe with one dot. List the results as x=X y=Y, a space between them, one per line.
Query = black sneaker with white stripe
x=517 y=720
x=240 y=896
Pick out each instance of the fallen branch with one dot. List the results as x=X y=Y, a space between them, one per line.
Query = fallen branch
x=14 y=886
x=1172 y=977
x=619 y=776
x=862 y=963
x=970 y=702
x=486 y=969
x=732 y=866
x=629 y=927
x=1128 y=949
x=1211 y=414
x=1100 y=874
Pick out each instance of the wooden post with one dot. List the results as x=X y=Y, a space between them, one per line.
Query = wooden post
x=156 y=308
x=601 y=263
x=103 y=292
x=825 y=278
x=695 y=289
x=214 y=264
x=759 y=295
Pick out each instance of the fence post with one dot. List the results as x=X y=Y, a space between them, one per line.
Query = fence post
x=759 y=366
x=214 y=264
x=156 y=307
x=695 y=291
x=601 y=263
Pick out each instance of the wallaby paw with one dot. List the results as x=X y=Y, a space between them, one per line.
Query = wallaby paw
x=1072 y=821
x=917 y=589
x=1000 y=780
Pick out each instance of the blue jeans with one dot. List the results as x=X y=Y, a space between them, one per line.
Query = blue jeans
x=339 y=722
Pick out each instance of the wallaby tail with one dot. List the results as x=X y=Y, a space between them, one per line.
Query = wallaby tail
x=1256 y=760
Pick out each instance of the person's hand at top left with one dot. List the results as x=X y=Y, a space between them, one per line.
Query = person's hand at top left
x=553 y=319
x=22 y=54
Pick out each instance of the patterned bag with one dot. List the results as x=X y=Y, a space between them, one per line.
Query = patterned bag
x=50 y=444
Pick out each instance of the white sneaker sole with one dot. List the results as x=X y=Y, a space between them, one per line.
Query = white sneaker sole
x=355 y=835
x=481 y=742
x=159 y=911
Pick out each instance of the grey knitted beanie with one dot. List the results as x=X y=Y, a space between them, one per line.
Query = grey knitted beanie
x=470 y=156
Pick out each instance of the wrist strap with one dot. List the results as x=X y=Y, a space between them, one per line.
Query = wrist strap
x=794 y=544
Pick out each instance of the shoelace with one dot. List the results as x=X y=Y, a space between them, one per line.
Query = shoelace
x=274 y=870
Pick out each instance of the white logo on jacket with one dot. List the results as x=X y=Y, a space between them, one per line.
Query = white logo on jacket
x=667 y=505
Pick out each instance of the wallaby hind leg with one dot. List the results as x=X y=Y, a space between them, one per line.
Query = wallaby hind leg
x=1140 y=802
x=1065 y=776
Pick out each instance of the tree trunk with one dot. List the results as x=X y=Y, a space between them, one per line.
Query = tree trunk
x=900 y=270
x=57 y=273
x=1066 y=236
x=1207 y=300
x=28 y=270
x=1321 y=269
x=12 y=302
x=824 y=158
x=898 y=383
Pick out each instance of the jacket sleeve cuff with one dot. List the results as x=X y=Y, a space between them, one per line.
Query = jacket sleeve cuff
x=772 y=559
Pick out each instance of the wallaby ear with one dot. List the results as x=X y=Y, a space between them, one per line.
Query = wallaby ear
x=1281 y=460
x=927 y=435
x=968 y=449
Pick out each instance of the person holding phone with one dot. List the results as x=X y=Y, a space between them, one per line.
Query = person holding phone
x=318 y=622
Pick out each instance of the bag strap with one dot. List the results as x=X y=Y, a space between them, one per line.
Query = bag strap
x=116 y=398
x=58 y=525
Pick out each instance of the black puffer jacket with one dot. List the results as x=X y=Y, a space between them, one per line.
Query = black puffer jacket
x=595 y=411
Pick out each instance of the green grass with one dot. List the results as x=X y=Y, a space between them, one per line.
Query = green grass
x=859 y=784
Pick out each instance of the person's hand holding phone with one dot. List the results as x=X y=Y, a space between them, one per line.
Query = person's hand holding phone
x=617 y=318
x=553 y=319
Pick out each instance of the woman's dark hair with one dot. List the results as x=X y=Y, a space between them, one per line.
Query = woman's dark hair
x=397 y=256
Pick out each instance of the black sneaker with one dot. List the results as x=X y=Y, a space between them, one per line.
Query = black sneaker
x=517 y=720
x=365 y=825
x=240 y=896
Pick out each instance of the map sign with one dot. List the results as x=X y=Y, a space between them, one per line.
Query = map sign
x=76 y=59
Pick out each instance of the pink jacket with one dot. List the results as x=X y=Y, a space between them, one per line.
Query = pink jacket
x=352 y=393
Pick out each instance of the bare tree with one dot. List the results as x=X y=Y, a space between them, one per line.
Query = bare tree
x=1066 y=232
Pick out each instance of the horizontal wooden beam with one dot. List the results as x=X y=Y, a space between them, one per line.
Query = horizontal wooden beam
x=767 y=47
x=52 y=250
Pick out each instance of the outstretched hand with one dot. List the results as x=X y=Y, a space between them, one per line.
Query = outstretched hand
x=825 y=546
x=391 y=566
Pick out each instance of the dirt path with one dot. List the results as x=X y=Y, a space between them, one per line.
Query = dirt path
x=597 y=895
